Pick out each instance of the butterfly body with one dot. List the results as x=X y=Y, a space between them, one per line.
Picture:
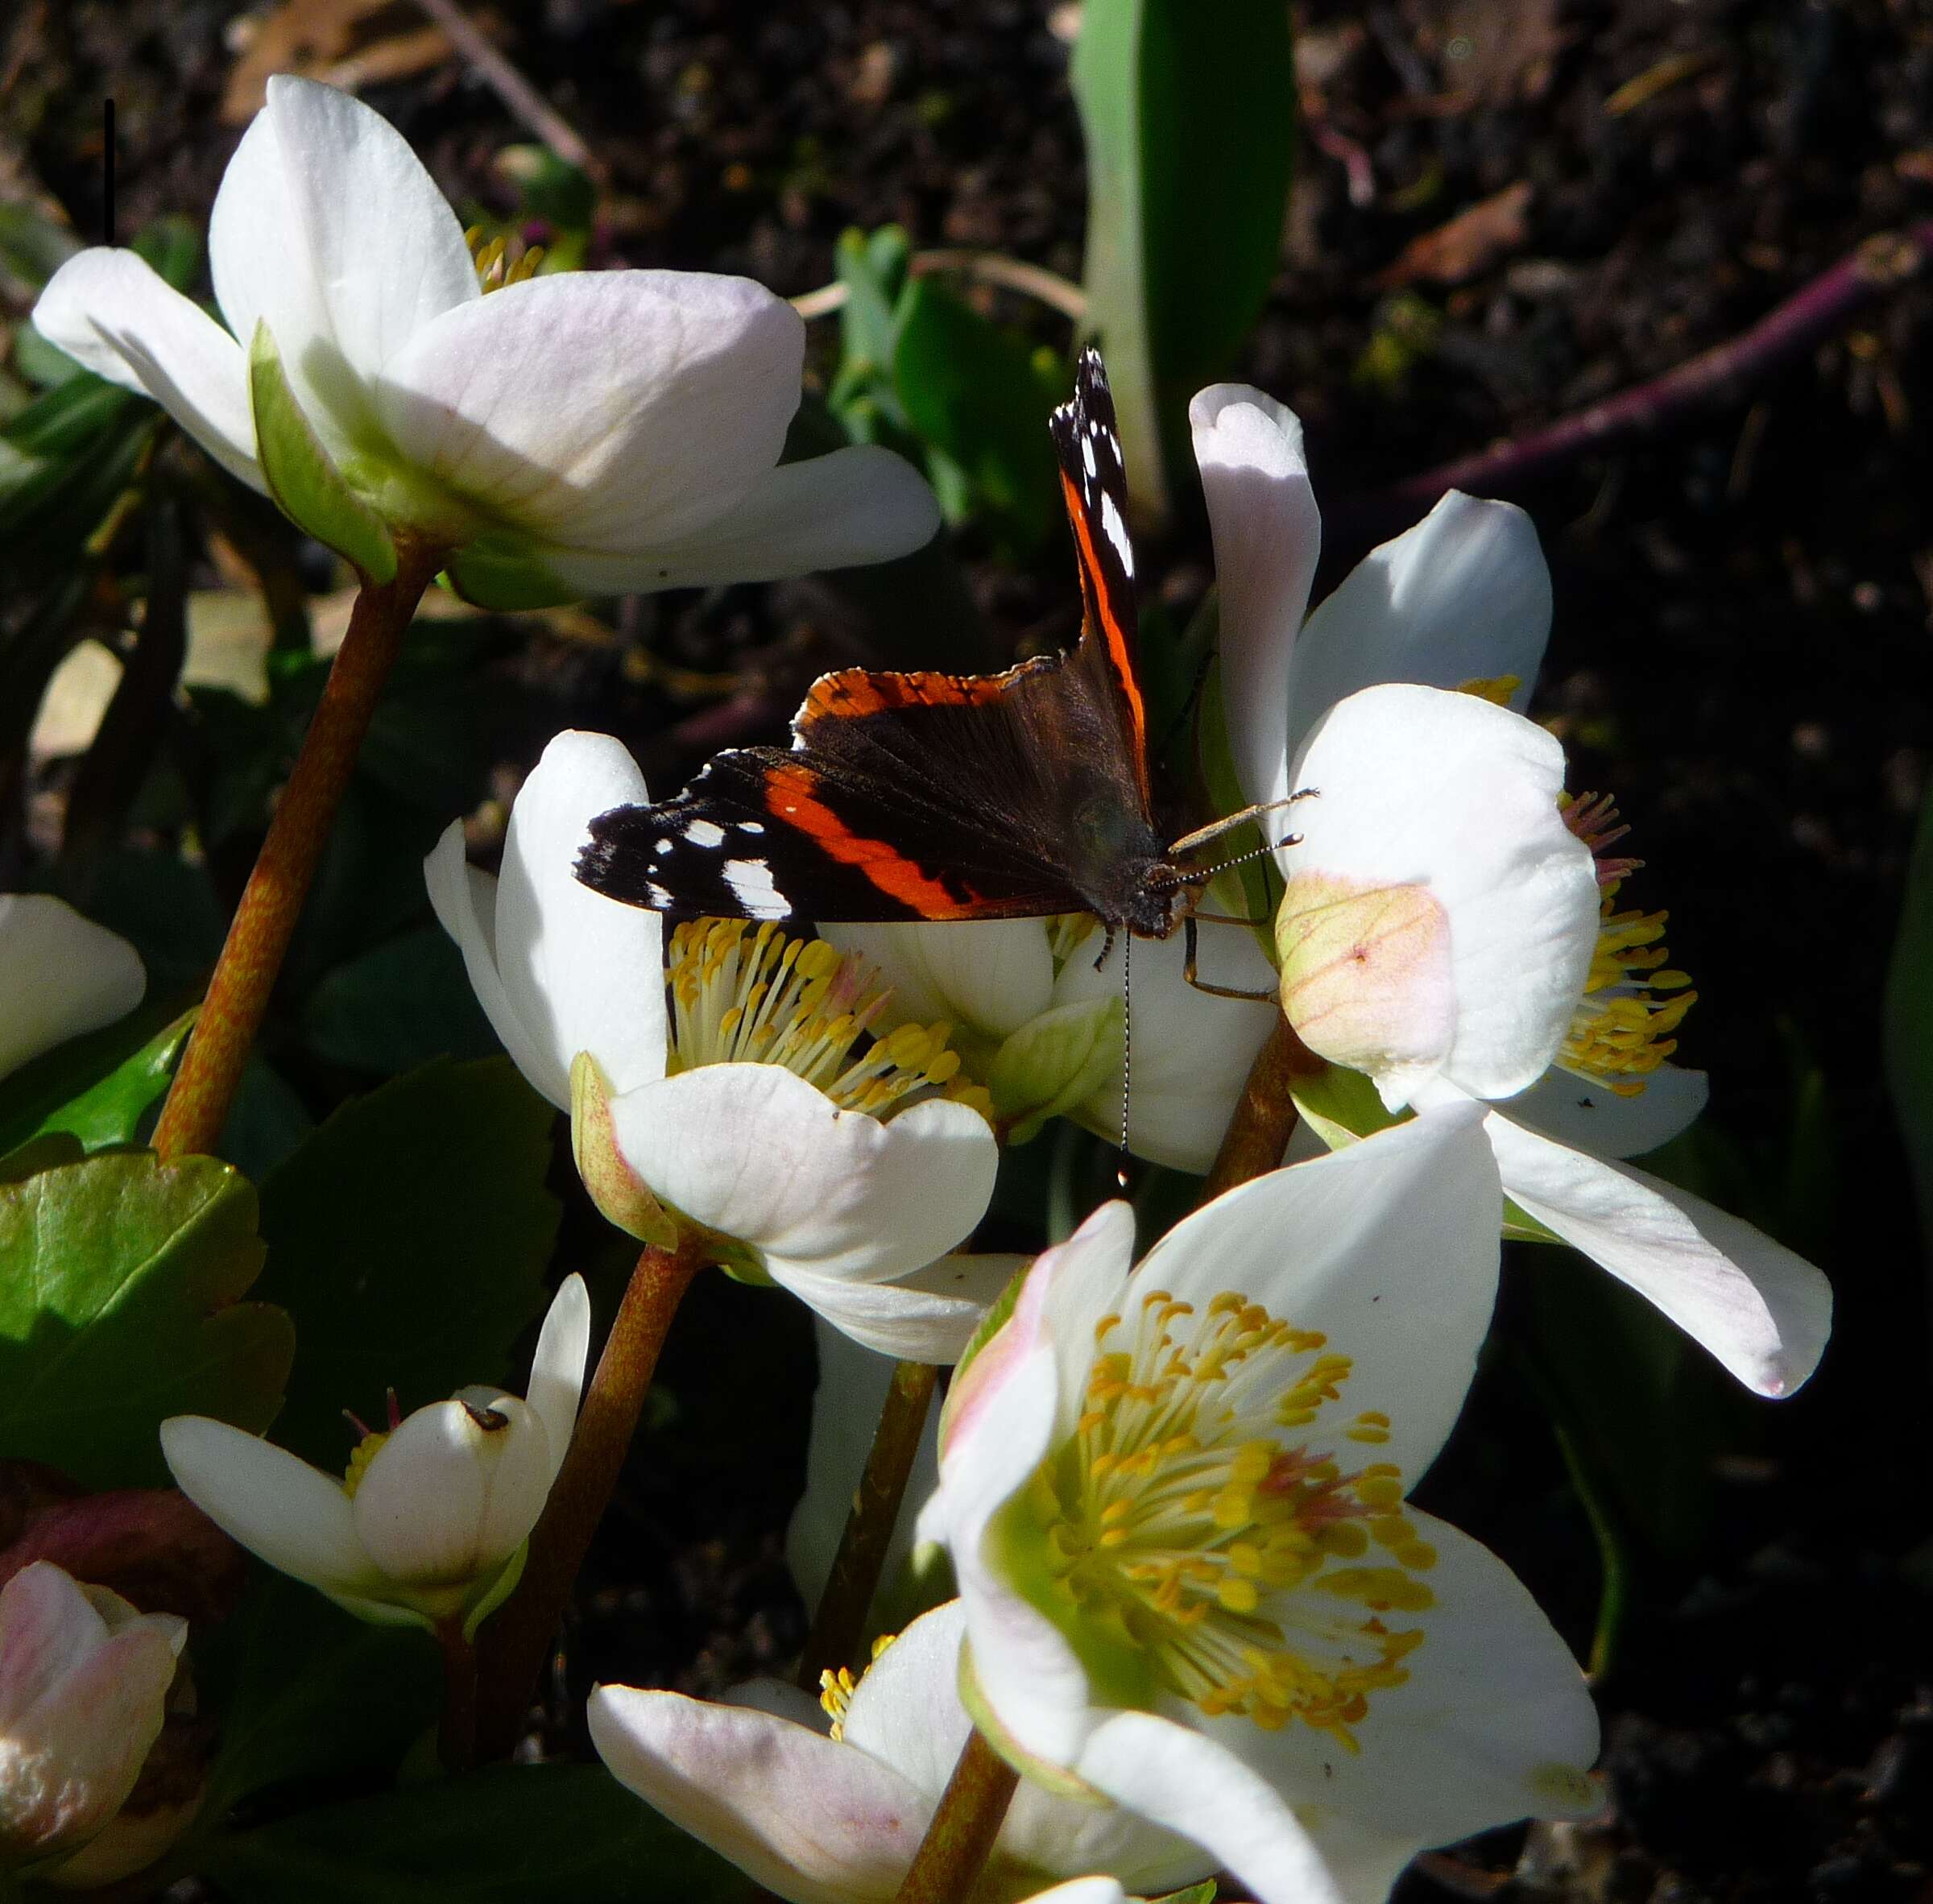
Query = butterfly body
x=935 y=796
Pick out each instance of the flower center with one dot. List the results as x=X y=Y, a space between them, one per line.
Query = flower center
x=1622 y=1029
x=494 y=267
x=836 y=1689
x=1191 y=1518
x=745 y=996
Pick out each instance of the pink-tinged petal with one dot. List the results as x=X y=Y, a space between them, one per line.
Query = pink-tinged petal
x=1581 y=1112
x=1494 y=1722
x=603 y=411
x=1389 y=1248
x=1761 y=1310
x=327 y=227
x=582 y=972
x=113 y=313
x=811 y=1820
x=1445 y=793
x=60 y=975
x=1191 y=1782
x=845 y=509
x=929 y=1316
x=557 y=1369
x=1268 y=533
x=1464 y=596
x=994 y=974
x=757 y=1154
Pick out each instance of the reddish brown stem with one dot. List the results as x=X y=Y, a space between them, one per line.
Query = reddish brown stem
x=960 y=1839
x=513 y=1643
x=205 y=1087
x=456 y=1736
x=840 y=1623
x=1722 y=374
x=1265 y=1117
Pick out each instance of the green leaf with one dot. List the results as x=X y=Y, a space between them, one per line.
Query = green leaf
x=973 y=390
x=305 y=1691
x=96 y=1087
x=64 y=458
x=120 y=1280
x=504 y=1835
x=1908 y=1016
x=1189 y=113
x=32 y=246
x=408 y=1238
x=310 y=491
x=398 y=1007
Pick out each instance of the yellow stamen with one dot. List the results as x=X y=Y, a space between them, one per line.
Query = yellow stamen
x=360 y=1456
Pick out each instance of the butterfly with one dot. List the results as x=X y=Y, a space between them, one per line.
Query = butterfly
x=940 y=797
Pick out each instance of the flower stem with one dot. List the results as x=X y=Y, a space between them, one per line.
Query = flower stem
x=960 y=1839
x=1264 y=1118
x=840 y=1623
x=205 y=1087
x=513 y=1643
x=457 y=1737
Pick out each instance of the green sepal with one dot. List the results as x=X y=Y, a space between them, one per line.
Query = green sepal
x=497 y=571
x=500 y=1590
x=1056 y=1780
x=308 y=487
x=623 y=1199
x=1054 y=1063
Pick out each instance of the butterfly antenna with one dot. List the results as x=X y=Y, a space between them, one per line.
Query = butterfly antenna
x=1215 y=828
x=1120 y=1165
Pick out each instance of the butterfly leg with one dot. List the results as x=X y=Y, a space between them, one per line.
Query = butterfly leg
x=1106 y=950
x=1191 y=943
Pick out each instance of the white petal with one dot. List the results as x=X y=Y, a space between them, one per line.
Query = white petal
x=852 y=506
x=991 y=975
x=112 y=311
x=926 y=1317
x=1267 y=534
x=812 y=1821
x=60 y=975
x=1763 y=1311
x=1192 y=1051
x=557 y=1370
x=1581 y=1112
x=1187 y=1781
x=291 y=1515
x=464 y=898
x=852 y=1389
x=1463 y=596
x=328 y=227
x=603 y=411
x=1493 y=1724
x=757 y=1154
x=1389 y=1248
x=584 y=973
x=1419 y=788
x=1083 y=1890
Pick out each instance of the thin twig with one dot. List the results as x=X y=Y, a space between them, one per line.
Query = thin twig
x=968 y=1821
x=989 y=268
x=1265 y=1115
x=526 y=103
x=1722 y=374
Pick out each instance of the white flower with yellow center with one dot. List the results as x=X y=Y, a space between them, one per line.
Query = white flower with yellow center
x=428 y=1525
x=581 y=434
x=1175 y=1500
x=1041 y=1024
x=728 y=1080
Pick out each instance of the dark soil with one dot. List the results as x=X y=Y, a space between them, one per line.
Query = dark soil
x=1741 y=653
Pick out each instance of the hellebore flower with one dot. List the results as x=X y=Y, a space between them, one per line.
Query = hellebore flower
x=60 y=975
x=1175 y=1502
x=576 y=434
x=1447 y=927
x=819 y=1817
x=84 y=1683
x=429 y=1525
x=1035 y=1021
x=742 y=1106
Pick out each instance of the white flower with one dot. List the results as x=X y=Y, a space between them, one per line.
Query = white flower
x=60 y=975
x=1175 y=1503
x=1429 y=808
x=820 y=1818
x=84 y=1682
x=430 y=1524
x=577 y=433
x=748 y=1113
x=1036 y=1020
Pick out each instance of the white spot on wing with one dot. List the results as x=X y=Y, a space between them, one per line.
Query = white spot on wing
x=752 y=886
x=1116 y=531
x=664 y=844
x=1087 y=458
x=704 y=833
x=660 y=898
x=751 y=826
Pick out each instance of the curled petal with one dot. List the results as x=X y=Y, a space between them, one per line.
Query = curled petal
x=557 y=1370
x=991 y=975
x=60 y=975
x=1582 y=1113
x=926 y=1317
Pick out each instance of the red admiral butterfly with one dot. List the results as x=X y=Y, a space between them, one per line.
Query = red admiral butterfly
x=935 y=796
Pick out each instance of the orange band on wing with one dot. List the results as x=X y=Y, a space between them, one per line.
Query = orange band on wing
x=793 y=791
x=1119 y=649
x=860 y=691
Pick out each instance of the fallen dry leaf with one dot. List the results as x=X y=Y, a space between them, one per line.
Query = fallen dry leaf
x=346 y=43
x=1471 y=242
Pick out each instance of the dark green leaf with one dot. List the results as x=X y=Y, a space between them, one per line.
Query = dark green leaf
x=504 y=1835
x=96 y=1086
x=120 y=1280
x=1189 y=113
x=404 y=1004
x=266 y=1123
x=32 y=246
x=408 y=1238
x=167 y=907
